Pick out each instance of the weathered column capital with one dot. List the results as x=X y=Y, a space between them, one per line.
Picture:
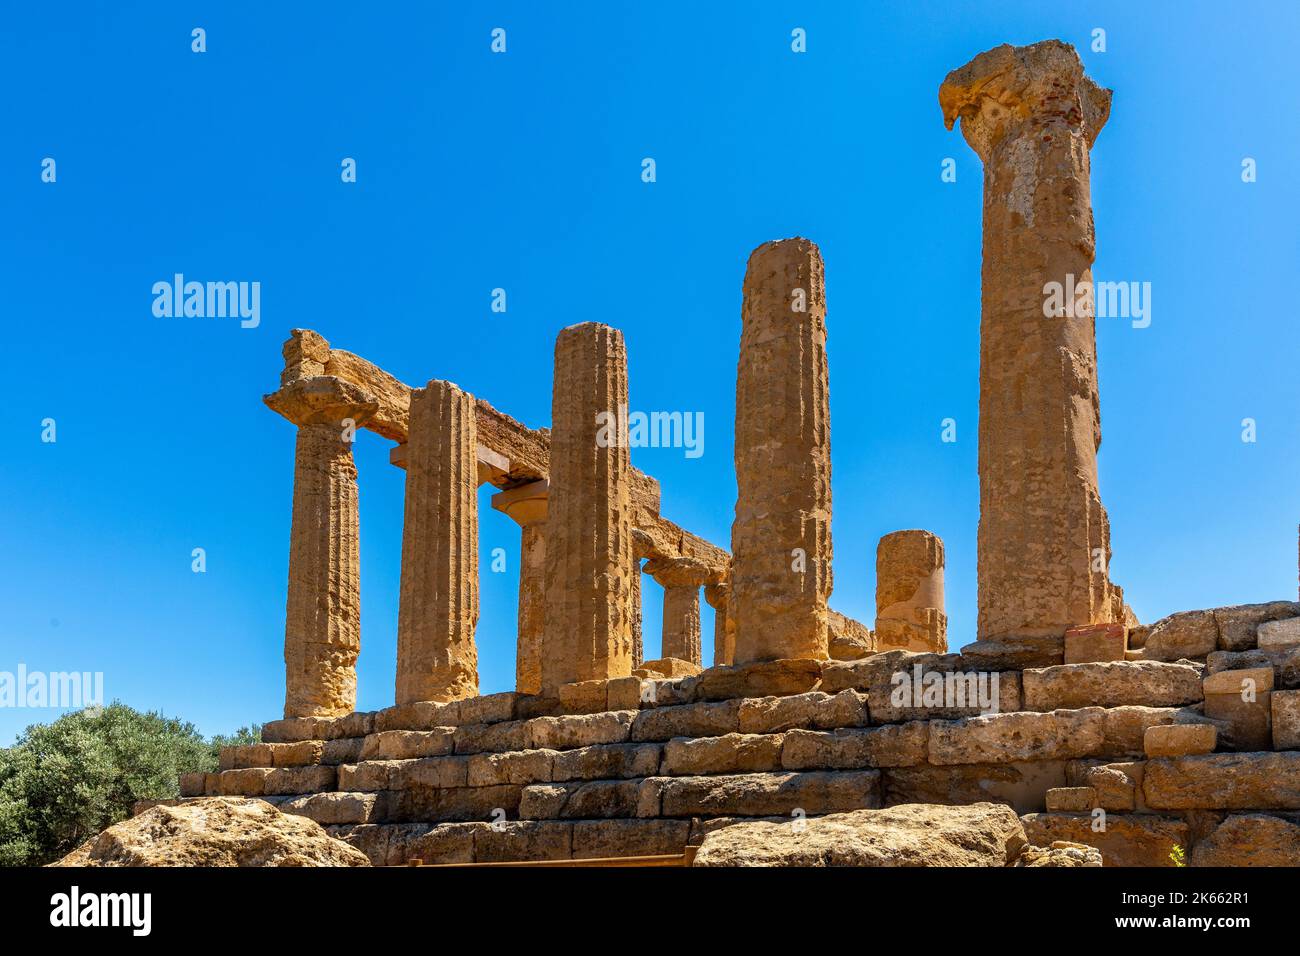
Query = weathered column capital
x=683 y=572
x=1008 y=90
x=525 y=505
x=717 y=595
x=322 y=400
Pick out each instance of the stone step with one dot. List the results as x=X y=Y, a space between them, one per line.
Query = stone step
x=1112 y=684
x=526 y=840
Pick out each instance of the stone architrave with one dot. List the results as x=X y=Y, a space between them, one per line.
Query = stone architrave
x=781 y=536
x=322 y=631
x=589 y=559
x=1044 y=540
x=438 y=611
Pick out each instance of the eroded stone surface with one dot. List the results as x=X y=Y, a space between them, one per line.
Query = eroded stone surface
x=781 y=536
x=909 y=592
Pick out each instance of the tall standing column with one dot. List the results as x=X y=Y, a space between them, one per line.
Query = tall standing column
x=681 y=623
x=909 y=593
x=527 y=505
x=1044 y=540
x=589 y=562
x=322 y=630
x=724 y=628
x=781 y=536
x=438 y=611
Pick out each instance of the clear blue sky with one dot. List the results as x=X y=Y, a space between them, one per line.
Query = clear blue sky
x=522 y=171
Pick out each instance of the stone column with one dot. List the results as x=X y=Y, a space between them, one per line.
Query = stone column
x=781 y=536
x=322 y=630
x=527 y=506
x=589 y=563
x=436 y=656
x=1044 y=541
x=681 y=624
x=681 y=578
x=638 y=637
x=724 y=631
x=909 y=593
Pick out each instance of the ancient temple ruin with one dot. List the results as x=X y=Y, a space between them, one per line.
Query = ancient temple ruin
x=1181 y=737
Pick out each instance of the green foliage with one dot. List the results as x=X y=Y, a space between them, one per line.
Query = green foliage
x=62 y=783
x=1178 y=856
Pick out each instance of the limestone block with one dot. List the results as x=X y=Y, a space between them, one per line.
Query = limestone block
x=342 y=750
x=1179 y=740
x=849 y=640
x=523 y=840
x=1286 y=719
x=730 y=753
x=522 y=766
x=420 y=715
x=771 y=794
x=770 y=678
x=1023 y=785
x=300 y=754
x=1239 y=781
x=1250 y=839
x=1284 y=659
x=1015 y=653
x=337 y=808
x=932 y=686
x=428 y=772
x=976 y=836
x=909 y=592
x=1114 y=786
x=407 y=744
x=1125 y=728
x=1238 y=626
x=192 y=784
x=418 y=804
x=1250 y=680
x=444 y=843
x=598 y=839
x=1283 y=633
x=607 y=761
x=584 y=697
x=1096 y=642
x=1187 y=634
x=1070 y=799
x=495 y=738
x=667 y=667
x=815 y=710
x=1005 y=738
x=781 y=536
x=488 y=708
x=1137 y=839
x=581 y=800
x=570 y=732
x=1242 y=700
x=1111 y=684
x=626 y=693
x=896 y=745
x=246 y=755
x=689 y=720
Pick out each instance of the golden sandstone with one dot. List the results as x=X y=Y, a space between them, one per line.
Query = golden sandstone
x=858 y=746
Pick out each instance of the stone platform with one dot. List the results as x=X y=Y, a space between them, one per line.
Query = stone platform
x=1111 y=753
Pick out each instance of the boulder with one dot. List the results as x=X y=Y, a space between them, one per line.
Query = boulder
x=1250 y=839
x=983 y=834
x=215 y=831
x=1187 y=634
x=1060 y=853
